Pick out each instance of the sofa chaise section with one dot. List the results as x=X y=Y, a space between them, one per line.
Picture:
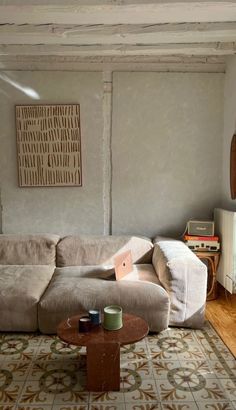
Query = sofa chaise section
x=27 y=263
x=69 y=294
x=85 y=280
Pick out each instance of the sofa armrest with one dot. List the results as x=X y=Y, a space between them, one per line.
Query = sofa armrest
x=184 y=277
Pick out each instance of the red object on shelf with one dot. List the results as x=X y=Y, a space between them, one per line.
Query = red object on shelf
x=201 y=238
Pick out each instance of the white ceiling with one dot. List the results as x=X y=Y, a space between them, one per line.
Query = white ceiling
x=159 y=34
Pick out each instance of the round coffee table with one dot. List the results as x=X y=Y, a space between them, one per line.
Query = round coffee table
x=103 y=348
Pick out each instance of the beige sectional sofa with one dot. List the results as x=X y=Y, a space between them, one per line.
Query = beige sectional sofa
x=45 y=279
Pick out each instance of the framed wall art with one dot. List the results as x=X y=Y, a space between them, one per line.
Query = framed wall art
x=49 y=145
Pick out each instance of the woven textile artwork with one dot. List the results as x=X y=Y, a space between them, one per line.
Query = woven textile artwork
x=48 y=145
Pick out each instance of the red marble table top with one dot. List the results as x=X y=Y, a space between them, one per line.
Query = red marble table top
x=134 y=329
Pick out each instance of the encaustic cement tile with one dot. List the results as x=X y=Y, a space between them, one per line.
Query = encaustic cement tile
x=141 y=368
x=209 y=390
x=19 y=369
x=70 y=407
x=108 y=398
x=134 y=352
x=174 y=388
x=16 y=348
x=117 y=406
x=215 y=405
x=55 y=385
x=34 y=407
x=176 y=348
x=229 y=386
x=223 y=369
x=8 y=407
x=71 y=389
x=32 y=394
x=191 y=405
x=139 y=391
x=143 y=406
x=199 y=367
x=57 y=350
x=162 y=351
x=9 y=389
x=40 y=370
x=161 y=368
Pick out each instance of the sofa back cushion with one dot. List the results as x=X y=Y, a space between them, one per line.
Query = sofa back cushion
x=28 y=249
x=100 y=250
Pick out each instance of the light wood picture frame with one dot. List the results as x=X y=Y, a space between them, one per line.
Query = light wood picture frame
x=48 y=138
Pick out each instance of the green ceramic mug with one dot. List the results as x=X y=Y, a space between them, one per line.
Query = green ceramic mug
x=112 y=317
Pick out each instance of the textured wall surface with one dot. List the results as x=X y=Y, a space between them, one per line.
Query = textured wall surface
x=229 y=129
x=59 y=210
x=167 y=159
x=166 y=152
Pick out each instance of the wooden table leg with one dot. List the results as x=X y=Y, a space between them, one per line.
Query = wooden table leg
x=103 y=366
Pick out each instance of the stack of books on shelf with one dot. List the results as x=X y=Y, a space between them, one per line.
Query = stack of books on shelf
x=202 y=243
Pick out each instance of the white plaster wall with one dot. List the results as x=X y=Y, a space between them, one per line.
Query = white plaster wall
x=58 y=210
x=229 y=129
x=166 y=150
x=166 y=153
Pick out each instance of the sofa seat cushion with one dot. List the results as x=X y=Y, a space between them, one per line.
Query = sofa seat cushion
x=93 y=271
x=70 y=294
x=20 y=290
x=143 y=272
x=28 y=249
x=100 y=250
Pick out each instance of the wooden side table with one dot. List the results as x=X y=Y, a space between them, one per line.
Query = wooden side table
x=103 y=348
x=212 y=259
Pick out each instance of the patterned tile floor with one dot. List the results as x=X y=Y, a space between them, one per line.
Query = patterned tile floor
x=178 y=369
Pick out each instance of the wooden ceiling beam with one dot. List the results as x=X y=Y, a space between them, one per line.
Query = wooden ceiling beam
x=214 y=64
x=121 y=50
x=117 y=28
x=121 y=12
x=117 y=34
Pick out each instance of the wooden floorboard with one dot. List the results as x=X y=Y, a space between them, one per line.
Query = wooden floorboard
x=221 y=313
